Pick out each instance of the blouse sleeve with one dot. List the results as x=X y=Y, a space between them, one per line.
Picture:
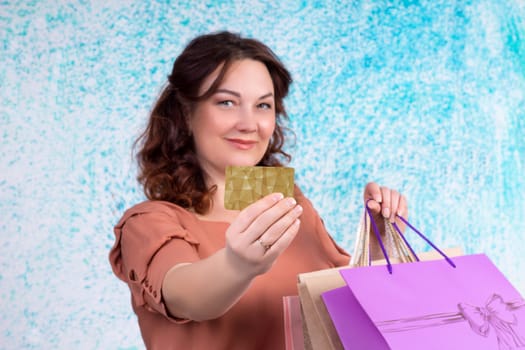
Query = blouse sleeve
x=140 y=255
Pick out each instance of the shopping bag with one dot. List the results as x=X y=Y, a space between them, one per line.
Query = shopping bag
x=293 y=324
x=428 y=305
x=319 y=330
x=319 y=333
x=454 y=303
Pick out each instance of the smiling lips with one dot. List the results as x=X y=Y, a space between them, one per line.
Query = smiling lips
x=242 y=144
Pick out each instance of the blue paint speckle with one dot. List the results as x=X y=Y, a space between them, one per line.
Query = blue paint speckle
x=425 y=96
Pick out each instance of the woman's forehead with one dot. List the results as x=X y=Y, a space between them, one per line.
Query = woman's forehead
x=247 y=68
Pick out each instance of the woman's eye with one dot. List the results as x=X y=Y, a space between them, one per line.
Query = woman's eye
x=265 y=106
x=225 y=103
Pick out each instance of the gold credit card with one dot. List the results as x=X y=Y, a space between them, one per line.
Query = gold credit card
x=247 y=184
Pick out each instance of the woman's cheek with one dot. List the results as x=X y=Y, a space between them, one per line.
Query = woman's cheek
x=267 y=128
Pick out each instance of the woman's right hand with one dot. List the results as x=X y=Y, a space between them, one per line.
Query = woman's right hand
x=261 y=232
x=207 y=288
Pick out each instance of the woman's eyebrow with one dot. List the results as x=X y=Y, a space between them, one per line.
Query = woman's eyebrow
x=229 y=92
x=265 y=96
x=234 y=93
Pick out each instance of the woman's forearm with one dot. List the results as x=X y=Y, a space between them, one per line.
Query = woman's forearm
x=205 y=289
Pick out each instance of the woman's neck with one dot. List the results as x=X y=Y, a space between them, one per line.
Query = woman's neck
x=217 y=210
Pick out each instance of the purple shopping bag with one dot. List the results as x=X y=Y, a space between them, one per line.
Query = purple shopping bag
x=458 y=303
x=429 y=305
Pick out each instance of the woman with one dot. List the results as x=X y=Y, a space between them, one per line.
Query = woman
x=201 y=276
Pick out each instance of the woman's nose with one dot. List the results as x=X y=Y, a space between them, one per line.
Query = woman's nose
x=247 y=120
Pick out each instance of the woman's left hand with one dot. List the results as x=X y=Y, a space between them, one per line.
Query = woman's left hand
x=384 y=202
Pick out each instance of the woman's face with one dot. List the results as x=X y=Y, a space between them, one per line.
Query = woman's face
x=234 y=125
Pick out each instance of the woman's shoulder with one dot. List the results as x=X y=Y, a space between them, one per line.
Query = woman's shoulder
x=156 y=207
x=299 y=195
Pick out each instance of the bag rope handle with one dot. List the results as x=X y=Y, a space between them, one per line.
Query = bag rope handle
x=378 y=236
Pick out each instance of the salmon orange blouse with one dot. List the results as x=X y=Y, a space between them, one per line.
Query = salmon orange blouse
x=153 y=236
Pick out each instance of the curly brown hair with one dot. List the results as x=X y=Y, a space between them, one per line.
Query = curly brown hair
x=168 y=166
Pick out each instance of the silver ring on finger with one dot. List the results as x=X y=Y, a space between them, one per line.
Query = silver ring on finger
x=265 y=246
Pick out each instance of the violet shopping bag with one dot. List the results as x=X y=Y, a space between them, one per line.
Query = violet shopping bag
x=458 y=303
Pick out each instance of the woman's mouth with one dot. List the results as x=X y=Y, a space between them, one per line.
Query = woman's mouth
x=242 y=144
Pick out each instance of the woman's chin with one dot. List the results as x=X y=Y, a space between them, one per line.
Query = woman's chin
x=244 y=162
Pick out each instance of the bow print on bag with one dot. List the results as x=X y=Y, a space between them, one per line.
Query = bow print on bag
x=495 y=314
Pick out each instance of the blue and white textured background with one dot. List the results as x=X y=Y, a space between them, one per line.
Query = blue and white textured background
x=424 y=96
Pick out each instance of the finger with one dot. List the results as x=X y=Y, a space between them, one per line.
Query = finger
x=285 y=239
x=269 y=217
x=373 y=205
x=372 y=197
x=402 y=211
x=394 y=204
x=251 y=212
x=403 y=207
x=386 y=204
x=278 y=228
x=372 y=191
